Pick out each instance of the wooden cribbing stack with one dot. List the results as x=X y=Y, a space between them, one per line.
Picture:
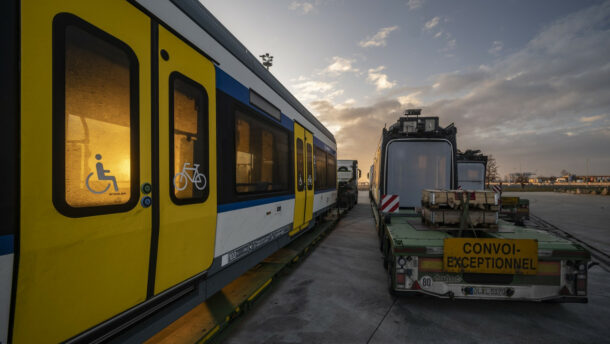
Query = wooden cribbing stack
x=462 y=208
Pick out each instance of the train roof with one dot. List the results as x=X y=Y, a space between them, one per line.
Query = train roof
x=471 y=156
x=204 y=19
x=414 y=126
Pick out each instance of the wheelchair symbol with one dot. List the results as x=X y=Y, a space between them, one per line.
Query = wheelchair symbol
x=101 y=175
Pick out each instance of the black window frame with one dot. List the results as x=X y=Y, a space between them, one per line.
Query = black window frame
x=320 y=182
x=332 y=183
x=10 y=121
x=203 y=124
x=60 y=22
x=226 y=106
x=257 y=117
x=300 y=169
x=309 y=166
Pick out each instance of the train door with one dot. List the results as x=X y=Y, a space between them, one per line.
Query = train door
x=187 y=162
x=309 y=192
x=85 y=227
x=304 y=192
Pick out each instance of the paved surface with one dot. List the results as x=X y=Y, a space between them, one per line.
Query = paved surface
x=339 y=295
x=587 y=217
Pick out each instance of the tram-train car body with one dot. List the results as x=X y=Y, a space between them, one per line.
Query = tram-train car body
x=150 y=159
x=472 y=169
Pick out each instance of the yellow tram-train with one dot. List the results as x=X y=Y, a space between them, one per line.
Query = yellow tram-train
x=150 y=160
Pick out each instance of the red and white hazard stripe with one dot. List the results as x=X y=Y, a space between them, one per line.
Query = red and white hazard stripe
x=497 y=188
x=389 y=203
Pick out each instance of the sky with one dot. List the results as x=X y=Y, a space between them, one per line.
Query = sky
x=527 y=82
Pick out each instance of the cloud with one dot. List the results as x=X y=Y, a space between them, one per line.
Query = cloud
x=432 y=23
x=592 y=118
x=415 y=4
x=438 y=34
x=544 y=106
x=303 y=6
x=379 y=39
x=460 y=81
x=410 y=100
x=339 y=66
x=450 y=45
x=558 y=83
x=496 y=47
x=310 y=90
x=357 y=129
x=379 y=79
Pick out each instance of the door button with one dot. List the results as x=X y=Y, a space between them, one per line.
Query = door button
x=146 y=188
x=146 y=201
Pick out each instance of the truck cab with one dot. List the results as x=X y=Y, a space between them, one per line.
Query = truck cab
x=347 y=179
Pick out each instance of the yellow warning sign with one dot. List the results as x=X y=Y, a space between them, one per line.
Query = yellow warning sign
x=493 y=256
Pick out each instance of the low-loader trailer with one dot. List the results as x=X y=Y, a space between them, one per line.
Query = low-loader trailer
x=450 y=243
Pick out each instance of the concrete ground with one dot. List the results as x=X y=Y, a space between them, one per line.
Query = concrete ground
x=587 y=217
x=339 y=295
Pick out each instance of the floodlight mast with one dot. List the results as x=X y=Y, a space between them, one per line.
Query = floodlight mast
x=267 y=60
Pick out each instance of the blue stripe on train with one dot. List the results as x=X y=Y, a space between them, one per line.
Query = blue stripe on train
x=7 y=245
x=247 y=204
x=235 y=89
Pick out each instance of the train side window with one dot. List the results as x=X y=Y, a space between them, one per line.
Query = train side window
x=320 y=176
x=261 y=155
x=300 y=165
x=95 y=120
x=188 y=107
x=331 y=170
x=309 y=167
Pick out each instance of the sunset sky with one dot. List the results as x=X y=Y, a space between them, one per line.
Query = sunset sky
x=525 y=81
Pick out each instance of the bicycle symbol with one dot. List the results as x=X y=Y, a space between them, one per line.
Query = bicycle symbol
x=181 y=179
x=101 y=175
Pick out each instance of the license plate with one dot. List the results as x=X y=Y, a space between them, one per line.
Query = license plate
x=492 y=256
x=485 y=291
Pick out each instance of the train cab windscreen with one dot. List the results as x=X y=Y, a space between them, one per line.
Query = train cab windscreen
x=471 y=175
x=414 y=166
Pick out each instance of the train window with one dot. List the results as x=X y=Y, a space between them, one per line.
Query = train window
x=300 y=181
x=261 y=155
x=188 y=104
x=309 y=167
x=320 y=176
x=95 y=120
x=331 y=171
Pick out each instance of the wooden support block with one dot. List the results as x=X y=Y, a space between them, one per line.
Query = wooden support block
x=455 y=199
x=451 y=217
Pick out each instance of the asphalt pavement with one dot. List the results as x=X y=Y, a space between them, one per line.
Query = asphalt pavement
x=587 y=217
x=339 y=295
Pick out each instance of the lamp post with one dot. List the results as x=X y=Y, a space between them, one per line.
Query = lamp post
x=267 y=60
